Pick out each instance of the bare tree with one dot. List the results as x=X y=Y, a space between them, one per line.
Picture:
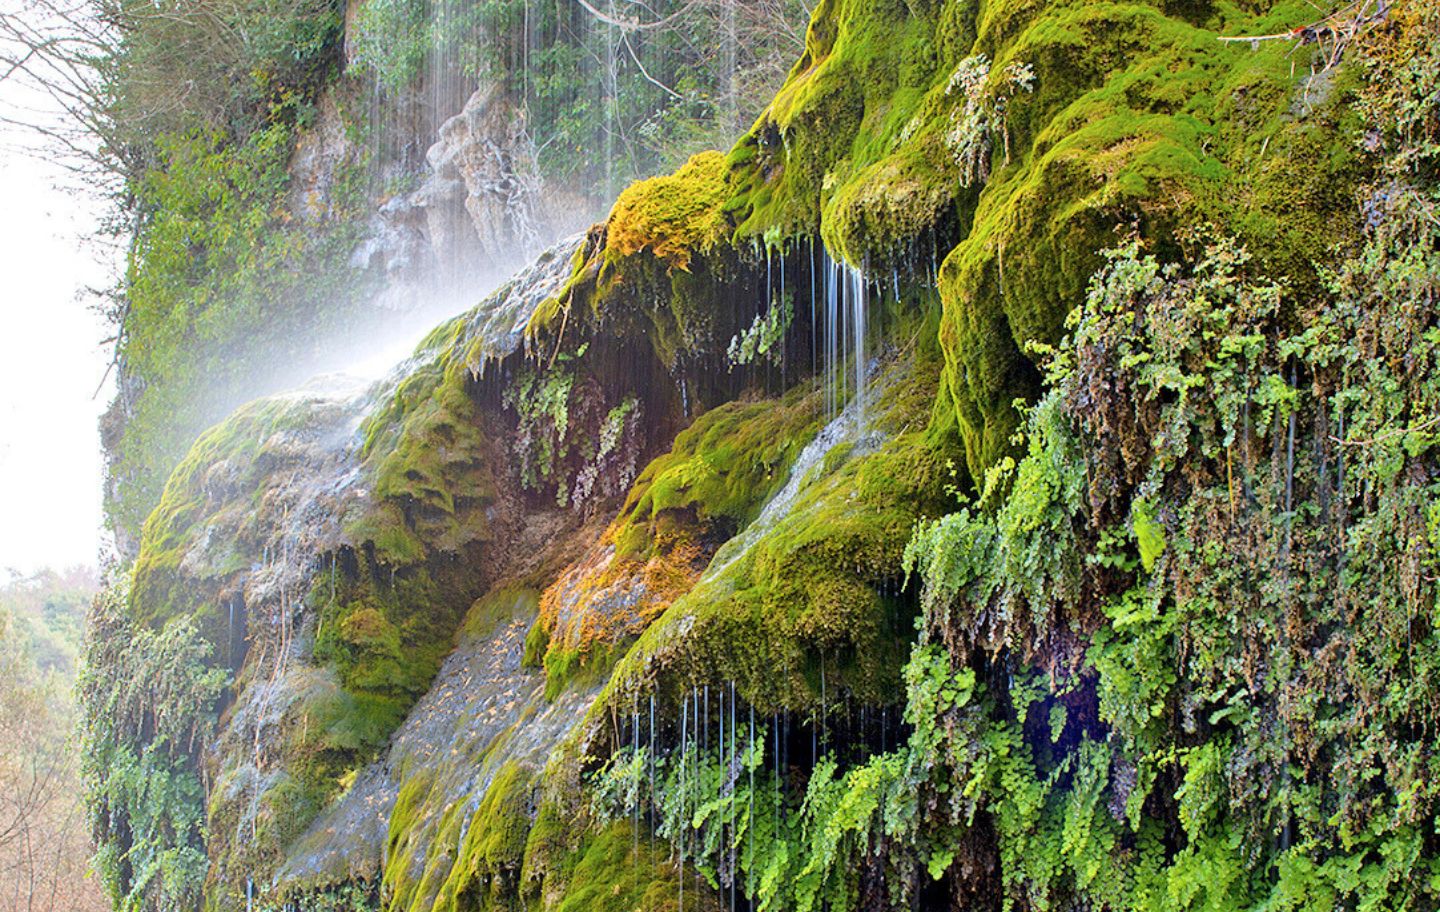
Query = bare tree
x=51 y=60
x=120 y=72
x=44 y=845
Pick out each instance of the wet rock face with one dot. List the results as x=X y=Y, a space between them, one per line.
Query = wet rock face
x=482 y=198
x=485 y=206
x=397 y=246
x=318 y=162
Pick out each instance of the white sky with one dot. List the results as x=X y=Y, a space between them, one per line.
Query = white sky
x=51 y=361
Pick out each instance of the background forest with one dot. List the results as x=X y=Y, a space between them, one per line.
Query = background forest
x=44 y=840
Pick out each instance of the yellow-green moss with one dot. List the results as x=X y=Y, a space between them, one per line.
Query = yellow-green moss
x=718 y=473
x=618 y=871
x=486 y=866
x=216 y=487
x=673 y=216
x=427 y=457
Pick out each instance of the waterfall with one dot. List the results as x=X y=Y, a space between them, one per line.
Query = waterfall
x=680 y=780
x=650 y=761
x=846 y=372
x=750 y=823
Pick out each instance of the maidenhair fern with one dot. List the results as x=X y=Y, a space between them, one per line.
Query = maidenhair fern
x=760 y=343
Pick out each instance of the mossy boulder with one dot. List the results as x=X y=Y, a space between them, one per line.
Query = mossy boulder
x=1139 y=122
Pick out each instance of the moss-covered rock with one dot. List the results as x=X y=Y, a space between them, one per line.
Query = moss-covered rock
x=333 y=551
x=675 y=216
x=1141 y=122
x=717 y=475
x=811 y=588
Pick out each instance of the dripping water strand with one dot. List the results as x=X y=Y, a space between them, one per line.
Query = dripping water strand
x=845 y=330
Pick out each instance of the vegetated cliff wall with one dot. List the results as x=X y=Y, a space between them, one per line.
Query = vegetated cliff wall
x=296 y=180
x=1095 y=349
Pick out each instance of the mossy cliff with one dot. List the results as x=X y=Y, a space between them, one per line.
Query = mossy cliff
x=1097 y=350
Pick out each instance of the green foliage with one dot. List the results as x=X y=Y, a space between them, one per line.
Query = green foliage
x=198 y=111
x=1179 y=652
x=46 y=612
x=393 y=37
x=1149 y=533
x=542 y=401
x=205 y=67
x=351 y=896
x=219 y=279
x=980 y=113
x=1203 y=414
x=758 y=343
x=569 y=439
x=148 y=697
x=1175 y=655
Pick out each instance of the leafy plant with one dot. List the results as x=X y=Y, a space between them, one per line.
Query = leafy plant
x=759 y=342
x=147 y=698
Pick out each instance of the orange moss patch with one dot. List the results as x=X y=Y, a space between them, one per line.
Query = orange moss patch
x=605 y=599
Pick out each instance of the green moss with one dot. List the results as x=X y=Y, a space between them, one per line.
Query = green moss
x=221 y=284
x=712 y=483
x=490 y=845
x=213 y=488
x=574 y=862
x=427 y=456
x=839 y=137
x=382 y=608
x=494 y=609
x=618 y=871
x=674 y=216
x=537 y=641
x=1137 y=119
x=401 y=870
x=580 y=668
x=717 y=474
x=382 y=634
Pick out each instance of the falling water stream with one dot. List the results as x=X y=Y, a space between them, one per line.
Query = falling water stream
x=846 y=366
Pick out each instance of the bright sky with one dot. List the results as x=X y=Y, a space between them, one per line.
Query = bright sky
x=51 y=361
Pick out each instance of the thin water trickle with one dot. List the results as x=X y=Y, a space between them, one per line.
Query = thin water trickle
x=814 y=335
x=720 y=759
x=650 y=761
x=824 y=727
x=680 y=780
x=846 y=427
x=733 y=873
x=846 y=328
x=750 y=822
x=779 y=765
x=635 y=797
